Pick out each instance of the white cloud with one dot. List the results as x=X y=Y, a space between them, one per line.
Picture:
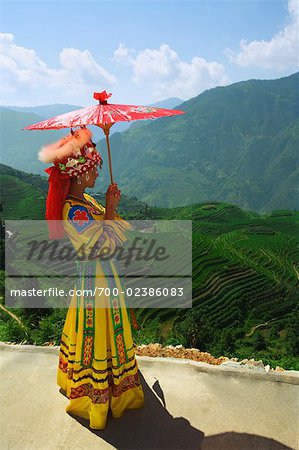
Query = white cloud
x=280 y=53
x=22 y=68
x=84 y=66
x=168 y=75
x=123 y=55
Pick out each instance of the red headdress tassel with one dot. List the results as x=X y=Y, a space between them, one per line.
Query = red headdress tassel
x=59 y=184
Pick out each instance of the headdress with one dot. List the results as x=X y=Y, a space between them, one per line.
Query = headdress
x=72 y=156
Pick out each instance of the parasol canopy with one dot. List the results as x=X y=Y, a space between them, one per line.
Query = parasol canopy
x=104 y=115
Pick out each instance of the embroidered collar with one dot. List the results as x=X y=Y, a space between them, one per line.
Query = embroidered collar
x=85 y=201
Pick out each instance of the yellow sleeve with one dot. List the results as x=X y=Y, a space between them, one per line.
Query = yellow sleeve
x=93 y=200
x=90 y=233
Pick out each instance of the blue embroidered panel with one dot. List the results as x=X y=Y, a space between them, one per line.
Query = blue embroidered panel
x=80 y=218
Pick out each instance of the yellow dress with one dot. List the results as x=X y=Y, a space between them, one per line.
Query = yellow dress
x=97 y=365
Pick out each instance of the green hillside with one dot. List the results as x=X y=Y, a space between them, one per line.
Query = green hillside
x=22 y=195
x=245 y=284
x=235 y=144
x=21 y=192
x=24 y=208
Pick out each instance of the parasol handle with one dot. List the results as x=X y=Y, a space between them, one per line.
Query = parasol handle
x=106 y=129
x=109 y=155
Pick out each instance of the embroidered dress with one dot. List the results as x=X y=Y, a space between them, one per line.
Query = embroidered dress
x=97 y=365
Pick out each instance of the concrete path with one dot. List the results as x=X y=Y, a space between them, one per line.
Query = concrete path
x=188 y=405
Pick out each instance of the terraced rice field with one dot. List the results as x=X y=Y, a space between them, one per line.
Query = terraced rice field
x=245 y=265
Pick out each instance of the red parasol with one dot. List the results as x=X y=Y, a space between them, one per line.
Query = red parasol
x=104 y=115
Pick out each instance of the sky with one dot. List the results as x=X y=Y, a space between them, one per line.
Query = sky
x=140 y=51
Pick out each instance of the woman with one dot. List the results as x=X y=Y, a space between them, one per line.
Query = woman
x=97 y=365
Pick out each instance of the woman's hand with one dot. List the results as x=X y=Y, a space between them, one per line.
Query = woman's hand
x=113 y=196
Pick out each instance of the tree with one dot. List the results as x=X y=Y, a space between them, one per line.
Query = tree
x=227 y=340
x=259 y=342
x=292 y=333
x=194 y=331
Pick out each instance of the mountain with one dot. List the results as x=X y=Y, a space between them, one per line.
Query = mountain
x=24 y=145
x=45 y=111
x=170 y=103
x=20 y=148
x=236 y=144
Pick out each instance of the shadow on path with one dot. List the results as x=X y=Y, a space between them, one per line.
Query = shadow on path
x=241 y=441
x=153 y=428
